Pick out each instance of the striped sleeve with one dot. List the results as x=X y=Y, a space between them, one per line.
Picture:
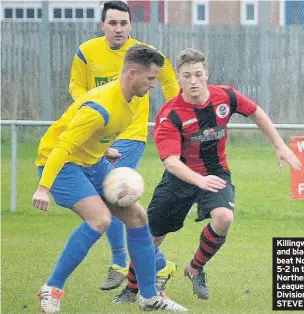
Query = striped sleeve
x=78 y=81
x=99 y=108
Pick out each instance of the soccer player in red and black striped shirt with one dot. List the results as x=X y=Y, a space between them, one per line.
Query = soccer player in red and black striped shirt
x=190 y=135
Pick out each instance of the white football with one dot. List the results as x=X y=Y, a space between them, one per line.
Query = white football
x=123 y=186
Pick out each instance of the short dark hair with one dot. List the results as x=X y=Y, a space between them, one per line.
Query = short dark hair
x=143 y=55
x=114 y=5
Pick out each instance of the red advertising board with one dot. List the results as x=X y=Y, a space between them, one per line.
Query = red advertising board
x=296 y=144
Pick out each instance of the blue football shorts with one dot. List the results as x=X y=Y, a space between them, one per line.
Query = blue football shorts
x=131 y=152
x=74 y=183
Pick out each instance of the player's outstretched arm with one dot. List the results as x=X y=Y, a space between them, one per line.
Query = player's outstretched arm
x=282 y=151
x=210 y=183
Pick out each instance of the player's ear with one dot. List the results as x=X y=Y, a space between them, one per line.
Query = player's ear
x=132 y=72
x=101 y=24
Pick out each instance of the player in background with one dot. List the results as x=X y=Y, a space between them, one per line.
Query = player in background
x=97 y=62
x=72 y=165
x=190 y=136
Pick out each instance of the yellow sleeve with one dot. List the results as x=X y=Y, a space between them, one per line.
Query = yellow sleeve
x=86 y=122
x=78 y=80
x=167 y=79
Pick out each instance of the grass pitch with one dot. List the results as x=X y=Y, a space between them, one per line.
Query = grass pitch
x=239 y=276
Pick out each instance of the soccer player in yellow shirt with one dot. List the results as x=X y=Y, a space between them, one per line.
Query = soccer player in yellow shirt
x=97 y=62
x=72 y=163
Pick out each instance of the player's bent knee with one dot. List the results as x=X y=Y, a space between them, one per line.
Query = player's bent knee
x=222 y=213
x=133 y=216
x=95 y=212
x=227 y=217
x=100 y=223
x=222 y=218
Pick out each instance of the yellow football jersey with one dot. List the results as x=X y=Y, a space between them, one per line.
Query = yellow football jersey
x=86 y=130
x=95 y=64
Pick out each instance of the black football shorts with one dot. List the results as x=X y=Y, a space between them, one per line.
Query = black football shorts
x=173 y=199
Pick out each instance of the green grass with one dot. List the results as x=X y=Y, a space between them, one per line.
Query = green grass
x=239 y=277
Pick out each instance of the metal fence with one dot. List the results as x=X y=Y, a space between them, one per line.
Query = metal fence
x=266 y=66
x=14 y=124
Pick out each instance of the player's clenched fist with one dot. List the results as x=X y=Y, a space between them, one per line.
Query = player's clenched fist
x=211 y=183
x=41 y=198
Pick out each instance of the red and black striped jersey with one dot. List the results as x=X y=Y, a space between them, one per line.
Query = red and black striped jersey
x=198 y=133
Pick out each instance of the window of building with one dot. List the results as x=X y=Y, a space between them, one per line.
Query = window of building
x=34 y=13
x=90 y=13
x=68 y=13
x=57 y=13
x=79 y=13
x=200 y=12
x=23 y=14
x=249 y=12
x=19 y=13
x=30 y=13
x=8 y=13
x=74 y=14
